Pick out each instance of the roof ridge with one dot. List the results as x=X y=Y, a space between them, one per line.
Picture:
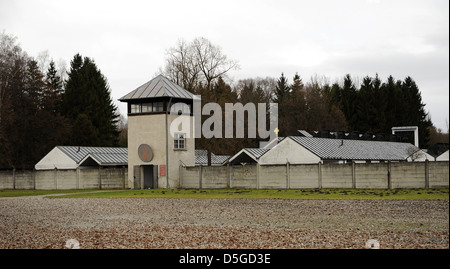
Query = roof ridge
x=167 y=88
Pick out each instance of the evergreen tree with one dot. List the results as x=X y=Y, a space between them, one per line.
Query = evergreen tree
x=87 y=92
x=376 y=107
x=84 y=133
x=251 y=93
x=318 y=114
x=57 y=128
x=347 y=100
x=393 y=108
x=365 y=107
x=297 y=84
x=53 y=90
x=282 y=90
x=415 y=114
x=281 y=96
x=28 y=124
x=379 y=106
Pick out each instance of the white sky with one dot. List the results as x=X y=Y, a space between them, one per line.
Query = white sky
x=331 y=38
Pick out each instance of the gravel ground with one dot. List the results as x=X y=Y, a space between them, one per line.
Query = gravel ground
x=40 y=223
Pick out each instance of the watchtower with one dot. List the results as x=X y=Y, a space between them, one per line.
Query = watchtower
x=160 y=133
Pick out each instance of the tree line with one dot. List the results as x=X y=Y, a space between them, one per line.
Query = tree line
x=40 y=110
x=373 y=106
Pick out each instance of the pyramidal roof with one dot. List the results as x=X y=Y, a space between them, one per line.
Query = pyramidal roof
x=159 y=86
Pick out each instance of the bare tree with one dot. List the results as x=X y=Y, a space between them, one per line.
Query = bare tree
x=181 y=66
x=212 y=62
x=197 y=62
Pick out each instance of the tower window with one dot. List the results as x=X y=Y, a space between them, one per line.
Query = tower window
x=179 y=141
x=147 y=107
x=158 y=107
x=135 y=108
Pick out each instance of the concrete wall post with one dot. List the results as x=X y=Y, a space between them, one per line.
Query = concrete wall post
x=200 y=177
x=389 y=175
x=288 y=176
x=320 y=175
x=353 y=175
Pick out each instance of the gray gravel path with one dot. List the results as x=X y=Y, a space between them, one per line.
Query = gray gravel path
x=38 y=223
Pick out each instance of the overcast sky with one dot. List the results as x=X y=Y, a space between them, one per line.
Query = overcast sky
x=331 y=38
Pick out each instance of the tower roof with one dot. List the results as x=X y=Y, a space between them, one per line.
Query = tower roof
x=159 y=86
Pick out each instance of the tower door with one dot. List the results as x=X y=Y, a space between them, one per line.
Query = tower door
x=137 y=177
x=150 y=181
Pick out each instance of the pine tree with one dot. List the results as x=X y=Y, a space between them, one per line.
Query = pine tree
x=282 y=97
x=84 y=133
x=53 y=90
x=282 y=90
x=379 y=106
x=389 y=90
x=415 y=114
x=365 y=107
x=347 y=100
x=297 y=84
x=87 y=92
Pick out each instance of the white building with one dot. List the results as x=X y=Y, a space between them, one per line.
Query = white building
x=307 y=150
x=443 y=157
x=73 y=157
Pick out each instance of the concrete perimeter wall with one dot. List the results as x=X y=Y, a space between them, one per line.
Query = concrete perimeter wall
x=289 y=176
x=105 y=178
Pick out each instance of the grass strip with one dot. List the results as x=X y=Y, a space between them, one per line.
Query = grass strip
x=19 y=193
x=414 y=194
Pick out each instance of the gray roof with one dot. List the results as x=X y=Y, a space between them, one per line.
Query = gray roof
x=109 y=158
x=256 y=152
x=102 y=155
x=304 y=133
x=201 y=158
x=248 y=154
x=344 y=149
x=159 y=86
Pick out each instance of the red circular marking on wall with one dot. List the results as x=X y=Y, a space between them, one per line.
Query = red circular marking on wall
x=145 y=153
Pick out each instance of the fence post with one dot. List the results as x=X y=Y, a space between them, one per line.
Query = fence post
x=99 y=178
x=288 y=176
x=180 y=173
x=389 y=175
x=353 y=175
x=427 y=174
x=14 y=178
x=78 y=177
x=124 y=178
x=34 y=178
x=200 y=177
x=55 y=179
x=320 y=175
x=257 y=176
x=228 y=175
